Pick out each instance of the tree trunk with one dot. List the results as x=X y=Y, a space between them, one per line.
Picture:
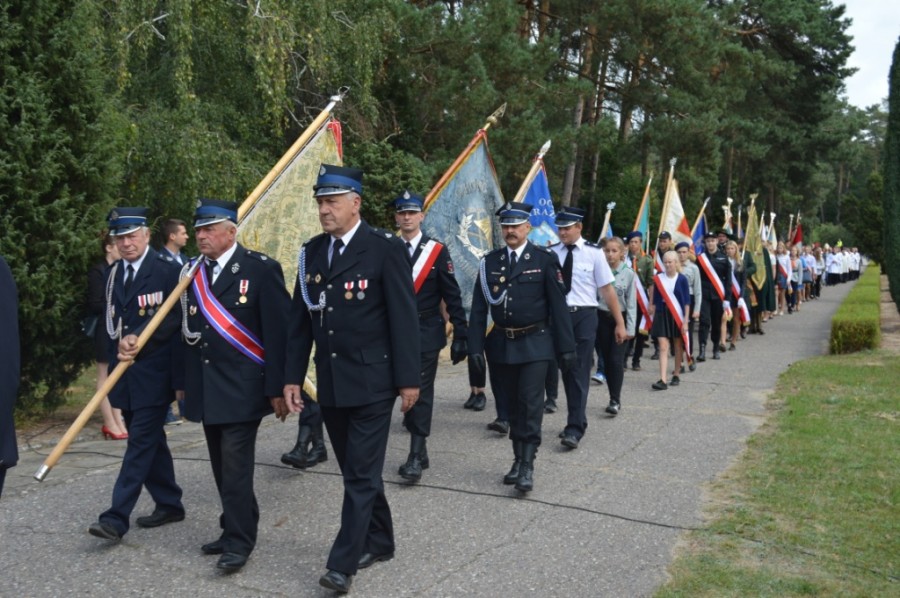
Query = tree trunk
x=587 y=53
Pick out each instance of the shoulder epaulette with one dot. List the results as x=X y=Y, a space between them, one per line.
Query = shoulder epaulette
x=257 y=255
x=382 y=233
x=592 y=244
x=554 y=244
x=312 y=240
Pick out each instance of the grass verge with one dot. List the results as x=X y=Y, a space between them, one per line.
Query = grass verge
x=811 y=508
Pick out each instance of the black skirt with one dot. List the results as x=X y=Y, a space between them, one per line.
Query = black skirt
x=664 y=325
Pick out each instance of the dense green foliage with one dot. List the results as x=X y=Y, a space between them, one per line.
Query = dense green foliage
x=59 y=171
x=856 y=326
x=891 y=190
x=157 y=103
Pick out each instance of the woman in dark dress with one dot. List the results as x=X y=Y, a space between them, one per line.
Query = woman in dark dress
x=113 y=425
x=666 y=329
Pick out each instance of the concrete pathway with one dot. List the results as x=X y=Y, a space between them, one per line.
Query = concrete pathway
x=603 y=520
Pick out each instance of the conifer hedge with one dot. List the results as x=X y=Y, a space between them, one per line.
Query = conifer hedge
x=891 y=194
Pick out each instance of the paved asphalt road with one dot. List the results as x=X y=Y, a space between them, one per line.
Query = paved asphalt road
x=603 y=520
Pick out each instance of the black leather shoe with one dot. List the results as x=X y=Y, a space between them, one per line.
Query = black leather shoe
x=613 y=408
x=655 y=355
x=675 y=381
x=231 y=562
x=336 y=581
x=550 y=406
x=569 y=441
x=659 y=385
x=215 y=547
x=692 y=367
x=716 y=354
x=499 y=425
x=470 y=402
x=480 y=402
x=105 y=531
x=636 y=367
x=368 y=559
x=159 y=517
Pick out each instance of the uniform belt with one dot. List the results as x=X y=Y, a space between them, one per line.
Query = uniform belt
x=428 y=313
x=514 y=333
x=574 y=308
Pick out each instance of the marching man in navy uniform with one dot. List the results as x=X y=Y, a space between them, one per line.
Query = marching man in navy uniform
x=715 y=280
x=586 y=275
x=354 y=299
x=433 y=282
x=137 y=285
x=521 y=285
x=235 y=330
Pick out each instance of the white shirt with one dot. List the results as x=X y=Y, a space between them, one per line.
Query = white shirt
x=221 y=261
x=413 y=243
x=348 y=236
x=590 y=271
x=136 y=265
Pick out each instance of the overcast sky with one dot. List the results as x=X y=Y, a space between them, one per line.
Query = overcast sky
x=875 y=30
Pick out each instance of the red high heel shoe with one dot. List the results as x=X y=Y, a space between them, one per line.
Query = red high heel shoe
x=108 y=435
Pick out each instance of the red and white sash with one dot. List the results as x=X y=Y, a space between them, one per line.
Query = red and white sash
x=711 y=275
x=742 y=305
x=643 y=304
x=660 y=267
x=677 y=311
x=224 y=323
x=430 y=252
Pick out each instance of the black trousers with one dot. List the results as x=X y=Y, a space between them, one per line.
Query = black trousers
x=359 y=438
x=312 y=414
x=477 y=378
x=147 y=463
x=523 y=384
x=232 y=454
x=577 y=381
x=692 y=325
x=711 y=312
x=501 y=400
x=614 y=354
x=637 y=348
x=551 y=382
x=418 y=419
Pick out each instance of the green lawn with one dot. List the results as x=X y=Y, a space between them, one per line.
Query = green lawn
x=811 y=509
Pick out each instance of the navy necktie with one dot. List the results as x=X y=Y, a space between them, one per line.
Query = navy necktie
x=567 y=268
x=129 y=278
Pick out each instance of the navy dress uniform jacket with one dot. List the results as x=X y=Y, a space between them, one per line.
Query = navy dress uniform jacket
x=440 y=283
x=9 y=367
x=365 y=346
x=150 y=380
x=535 y=295
x=222 y=385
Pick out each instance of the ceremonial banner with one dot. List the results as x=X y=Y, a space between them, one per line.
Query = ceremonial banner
x=753 y=244
x=459 y=212
x=698 y=233
x=673 y=219
x=543 y=217
x=642 y=222
x=285 y=216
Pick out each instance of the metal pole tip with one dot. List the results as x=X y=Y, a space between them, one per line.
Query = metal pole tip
x=41 y=473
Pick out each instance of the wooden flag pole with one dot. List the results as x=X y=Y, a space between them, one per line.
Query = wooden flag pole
x=289 y=155
x=535 y=167
x=154 y=323
x=666 y=195
x=491 y=120
x=609 y=208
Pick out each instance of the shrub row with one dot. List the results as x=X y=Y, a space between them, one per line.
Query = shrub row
x=857 y=324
